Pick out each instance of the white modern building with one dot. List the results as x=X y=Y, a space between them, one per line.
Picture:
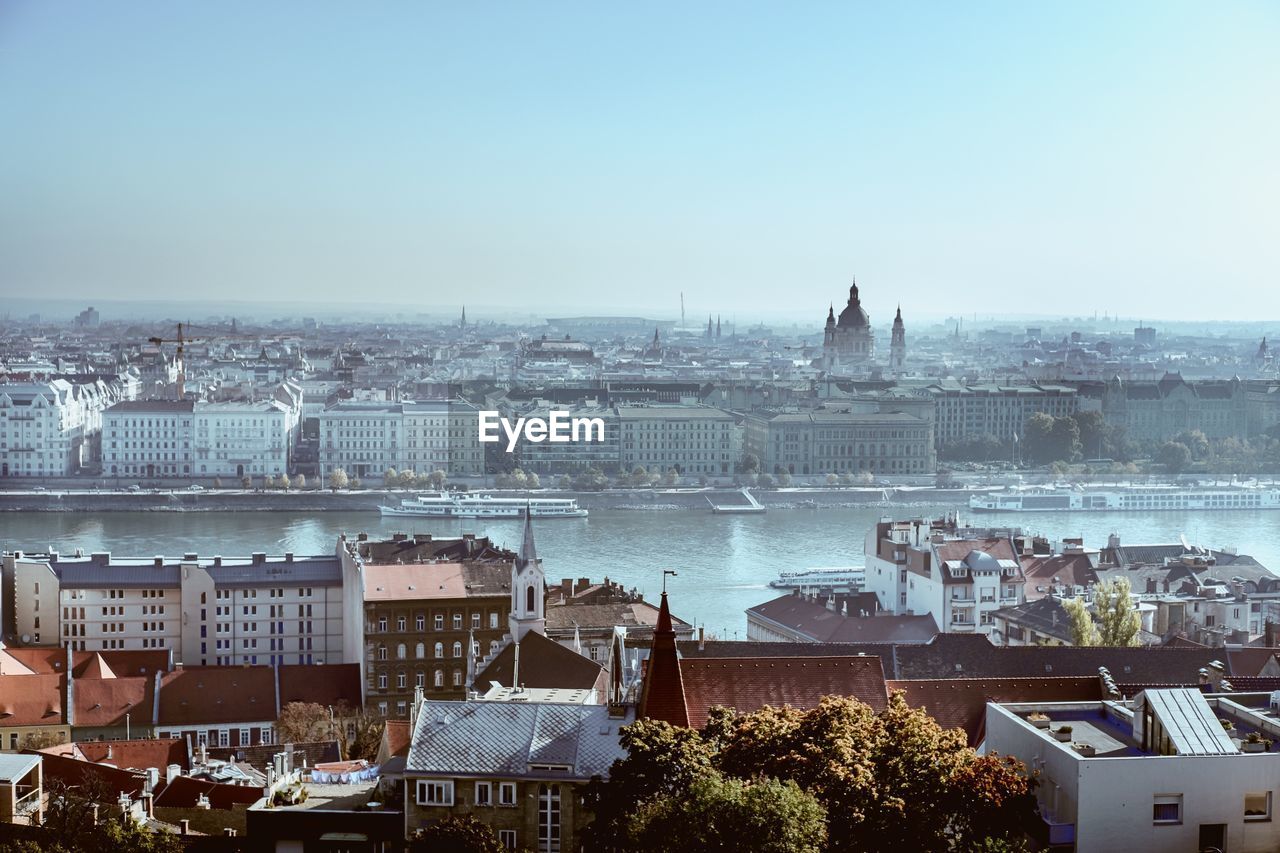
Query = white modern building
x=210 y=611
x=1159 y=772
x=958 y=575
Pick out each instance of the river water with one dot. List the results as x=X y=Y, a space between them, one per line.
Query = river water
x=724 y=562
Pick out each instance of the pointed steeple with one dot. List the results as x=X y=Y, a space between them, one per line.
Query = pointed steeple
x=528 y=587
x=662 y=696
x=471 y=659
x=577 y=640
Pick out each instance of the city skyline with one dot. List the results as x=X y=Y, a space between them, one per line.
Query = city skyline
x=1059 y=161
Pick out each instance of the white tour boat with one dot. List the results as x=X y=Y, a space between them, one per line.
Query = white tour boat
x=449 y=505
x=1126 y=499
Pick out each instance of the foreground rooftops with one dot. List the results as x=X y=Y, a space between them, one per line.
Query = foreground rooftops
x=101 y=569
x=514 y=739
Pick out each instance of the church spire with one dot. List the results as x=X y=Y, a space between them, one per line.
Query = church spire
x=528 y=587
x=662 y=695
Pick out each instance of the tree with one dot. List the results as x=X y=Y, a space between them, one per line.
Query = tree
x=639 y=477
x=246 y=483
x=564 y=482
x=456 y=834
x=355 y=483
x=1118 y=620
x=1048 y=439
x=299 y=482
x=1196 y=442
x=1083 y=631
x=390 y=478
x=749 y=463
x=533 y=481
x=438 y=479
x=833 y=479
x=304 y=722
x=765 y=481
x=406 y=479
x=945 y=479
x=719 y=814
x=1174 y=456
x=338 y=479
x=590 y=479
x=368 y=739
x=670 y=477
x=1114 y=620
x=784 y=478
x=893 y=780
x=283 y=482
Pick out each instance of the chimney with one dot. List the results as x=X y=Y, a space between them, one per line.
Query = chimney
x=1113 y=541
x=702 y=638
x=259 y=557
x=148 y=806
x=1269 y=634
x=288 y=556
x=217 y=561
x=362 y=537
x=159 y=562
x=184 y=826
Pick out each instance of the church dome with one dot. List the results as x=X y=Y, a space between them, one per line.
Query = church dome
x=853 y=317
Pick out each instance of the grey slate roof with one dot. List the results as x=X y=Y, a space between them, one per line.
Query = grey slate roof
x=120 y=574
x=503 y=739
x=315 y=571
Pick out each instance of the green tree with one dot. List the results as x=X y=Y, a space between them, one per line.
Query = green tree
x=1118 y=620
x=456 y=834
x=749 y=463
x=1174 y=456
x=407 y=479
x=1083 y=630
x=438 y=479
x=1048 y=439
x=717 y=814
x=1195 y=441
x=765 y=481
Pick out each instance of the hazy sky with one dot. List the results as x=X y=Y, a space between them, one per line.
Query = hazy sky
x=604 y=157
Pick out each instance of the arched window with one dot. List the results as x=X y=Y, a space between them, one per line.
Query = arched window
x=421 y=650
x=439 y=678
x=439 y=650
x=457 y=650
x=400 y=652
x=528 y=601
x=457 y=678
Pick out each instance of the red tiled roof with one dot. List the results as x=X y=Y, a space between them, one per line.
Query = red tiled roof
x=105 y=701
x=139 y=754
x=197 y=695
x=748 y=684
x=396 y=737
x=330 y=684
x=812 y=619
x=31 y=700
x=962 y=702
x=121 y=663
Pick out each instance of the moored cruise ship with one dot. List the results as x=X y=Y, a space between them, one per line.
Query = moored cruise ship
x=1126 y=498
x=447 y=505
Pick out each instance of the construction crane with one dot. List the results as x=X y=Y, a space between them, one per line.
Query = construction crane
x=182 y=368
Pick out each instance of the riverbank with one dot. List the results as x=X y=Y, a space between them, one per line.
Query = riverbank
x=646 y=500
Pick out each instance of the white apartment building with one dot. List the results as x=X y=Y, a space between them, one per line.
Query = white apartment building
x=960 y=576
x=213 y=611
x=52 y=428
x=243 y=438
x=692 y=439
x=148 y=438
x=1159 y=772
x=366 y=438
x=1002 y=411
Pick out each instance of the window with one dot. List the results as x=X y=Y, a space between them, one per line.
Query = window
x=400 y=624
x=422 y=622
x=457 y=621
x=484 y=793
x=457 y=650
x=439 y=650
x=435 y=793
x=400 y=652
x=457 y=678
x=400 y=679
x=475 y=620
x=382 y=681
x=439 y=621
x=1257 y=806
x=493 y=620
x=507 y=837
x=1167 y=808
x=420 y=650
x=548 y=819
x=439 y=679
x=506 y=793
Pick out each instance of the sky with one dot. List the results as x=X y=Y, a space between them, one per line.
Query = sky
x=1056 y=158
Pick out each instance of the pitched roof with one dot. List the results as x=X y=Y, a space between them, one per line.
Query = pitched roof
x=397 y=736
x=1043 y=615
x=136 y=754
x=748 y=684
x=217 y=694
x=662 y=694
x=506 y=739
x=105 y=701
x=413 y=581
x=962 y=702
x=259 y=757
x=543 y=663
x=31 y=700
x=184 y=792
x=815 y=621
x=329 y=684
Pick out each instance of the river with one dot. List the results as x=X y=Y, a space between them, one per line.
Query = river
x=724 y=562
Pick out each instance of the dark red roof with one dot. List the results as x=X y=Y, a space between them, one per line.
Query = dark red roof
x=811 y=619
x=962 y=702
x=330 y=684
x=200 y=695
x=748 y=684
x=396 y=737
x=184 y=791
x=662 y=695
x=139 y=754
x=543 y=663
